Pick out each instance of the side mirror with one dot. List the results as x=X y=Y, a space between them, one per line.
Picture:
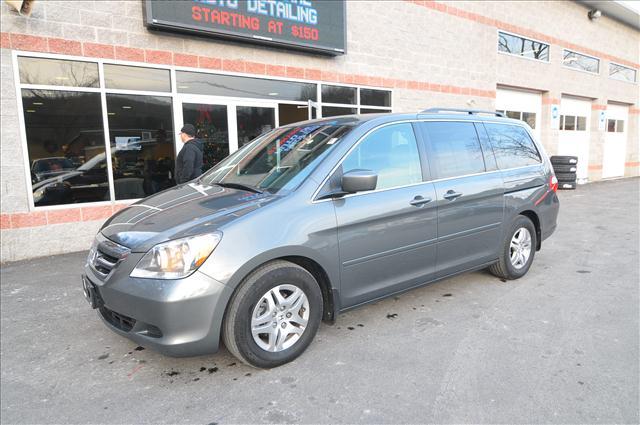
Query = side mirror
x=359 y=181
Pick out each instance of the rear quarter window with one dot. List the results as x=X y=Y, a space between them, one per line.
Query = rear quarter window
x=512 y=146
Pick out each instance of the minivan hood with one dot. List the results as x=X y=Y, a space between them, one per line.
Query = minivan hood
x=181 y=211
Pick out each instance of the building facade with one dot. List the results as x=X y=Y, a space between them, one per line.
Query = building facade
x=94 y=95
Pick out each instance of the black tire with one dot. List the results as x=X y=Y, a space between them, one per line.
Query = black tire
x=566 y=185
x=566 y=160
x=566 y=177
x=563 y=168
x=236 y=330
x=504 y=268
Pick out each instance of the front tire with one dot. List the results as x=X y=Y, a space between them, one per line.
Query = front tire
x=274 y=315
x=518 y=250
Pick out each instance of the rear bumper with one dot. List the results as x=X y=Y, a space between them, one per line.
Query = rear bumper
x=175 y=317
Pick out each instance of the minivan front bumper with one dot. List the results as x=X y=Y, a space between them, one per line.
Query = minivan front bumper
x=175 y=317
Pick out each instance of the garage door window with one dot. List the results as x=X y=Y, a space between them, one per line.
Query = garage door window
x=573 y=123
x=512 y=146
x=615 y=126
x=528 y=117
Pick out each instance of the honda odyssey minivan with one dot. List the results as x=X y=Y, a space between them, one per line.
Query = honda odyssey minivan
x=316 y=218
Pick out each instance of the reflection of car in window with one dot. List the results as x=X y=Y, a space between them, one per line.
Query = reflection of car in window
x=44 y=168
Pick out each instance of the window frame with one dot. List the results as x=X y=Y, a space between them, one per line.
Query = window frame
x=498 y=31
x=176 y=101
x=619 y=79
x=426 y=173
x=578 y=69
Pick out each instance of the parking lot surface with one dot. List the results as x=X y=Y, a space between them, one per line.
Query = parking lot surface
x=560 y=345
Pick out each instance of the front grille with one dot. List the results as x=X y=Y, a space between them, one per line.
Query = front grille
x=105 y=255
x=120 y=321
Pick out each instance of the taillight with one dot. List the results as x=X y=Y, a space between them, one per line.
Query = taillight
x=553 y=183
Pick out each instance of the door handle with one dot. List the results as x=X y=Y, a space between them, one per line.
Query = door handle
x=451 y=195
x=419 y=201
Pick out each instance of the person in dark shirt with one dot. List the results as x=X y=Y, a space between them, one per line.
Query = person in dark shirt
x=189 y=161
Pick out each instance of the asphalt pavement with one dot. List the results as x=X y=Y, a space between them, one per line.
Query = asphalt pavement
x=560 y=345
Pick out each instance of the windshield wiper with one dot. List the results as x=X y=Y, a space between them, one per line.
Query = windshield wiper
x=239 y=186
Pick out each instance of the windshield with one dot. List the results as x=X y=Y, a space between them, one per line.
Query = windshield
x=280 y=159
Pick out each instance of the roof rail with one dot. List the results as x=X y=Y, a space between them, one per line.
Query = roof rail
x=467 y=111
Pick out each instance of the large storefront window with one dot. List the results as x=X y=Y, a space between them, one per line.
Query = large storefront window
x=104 y=131
x=142 y=148
x=66 y=148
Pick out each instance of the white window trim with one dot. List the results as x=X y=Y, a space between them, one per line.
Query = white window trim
x=177 y=99
x=498 y=31
x=618 y=79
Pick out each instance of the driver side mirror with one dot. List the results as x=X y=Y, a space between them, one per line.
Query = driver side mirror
x=359 y=181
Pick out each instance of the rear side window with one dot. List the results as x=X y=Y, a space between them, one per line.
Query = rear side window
x=454 y=149
x=392 y=152
x=512 y=146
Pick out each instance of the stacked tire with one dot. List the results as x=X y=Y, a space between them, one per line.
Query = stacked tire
x=565 y=168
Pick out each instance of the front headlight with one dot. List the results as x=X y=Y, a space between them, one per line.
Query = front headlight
x=39 y=194
x=176 y=259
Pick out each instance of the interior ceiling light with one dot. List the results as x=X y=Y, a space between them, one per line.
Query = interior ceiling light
x=38 y=103
x=594 y=14
x=273 y=94
x=126 y=107
x=31 y=110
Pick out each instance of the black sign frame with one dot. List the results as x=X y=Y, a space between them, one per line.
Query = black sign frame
x=167 y=25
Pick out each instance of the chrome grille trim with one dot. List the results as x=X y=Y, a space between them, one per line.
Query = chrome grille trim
x=106 y=255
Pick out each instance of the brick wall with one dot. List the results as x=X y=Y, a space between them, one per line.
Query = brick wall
x=430 y=53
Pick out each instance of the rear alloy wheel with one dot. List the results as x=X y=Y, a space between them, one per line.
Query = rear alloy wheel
x=518 y=250
x=274 y=315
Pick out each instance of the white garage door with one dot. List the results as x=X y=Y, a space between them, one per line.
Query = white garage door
x=575 y=121
x=615 y=141
x=521 y=105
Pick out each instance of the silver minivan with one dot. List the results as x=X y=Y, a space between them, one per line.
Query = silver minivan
x=316 y=218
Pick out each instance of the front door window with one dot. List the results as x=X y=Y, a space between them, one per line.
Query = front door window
x=254 y=121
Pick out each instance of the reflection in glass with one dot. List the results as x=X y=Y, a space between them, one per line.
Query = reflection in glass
x=280 y=160
x=254 y=121
x=619 y=126
x=513 y=114
x=230 y=85
x=142 y=148
x=522 y=47
x=136 y=78
x=569 y=122
x=392 y=153
x=339 y=94
x=582 y=62
x=65 y=142
x=611 y=126
x=56 y=72
x=212 y=129
x=529 y=118
x=581 y=123
x=622 y=73
x=455 y=148
x=375 y=97
x=334 y=111
x=512 y=146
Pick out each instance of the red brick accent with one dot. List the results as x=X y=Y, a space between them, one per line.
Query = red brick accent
x=276 y=70
x=5 y=40
x=181 y=59
x=312 y=74
x=5 y=221
x=595 y=167
x=129 y=54
x=632 y=164
x=158 y=56
x=233 y=65
x=634 y=111
x=331 y=76
x=96 y=213
x=63 y=216
x=256 y=68
x=65 y=47
x=96 y=50
x=118 y=207
x=550 y=101
x=295 y=72
x=29 y=42
x=31 y=219
x=209 y=63
x=598 y=107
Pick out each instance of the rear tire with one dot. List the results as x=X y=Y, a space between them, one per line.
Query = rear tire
x=518 y=250
x=273 y=316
